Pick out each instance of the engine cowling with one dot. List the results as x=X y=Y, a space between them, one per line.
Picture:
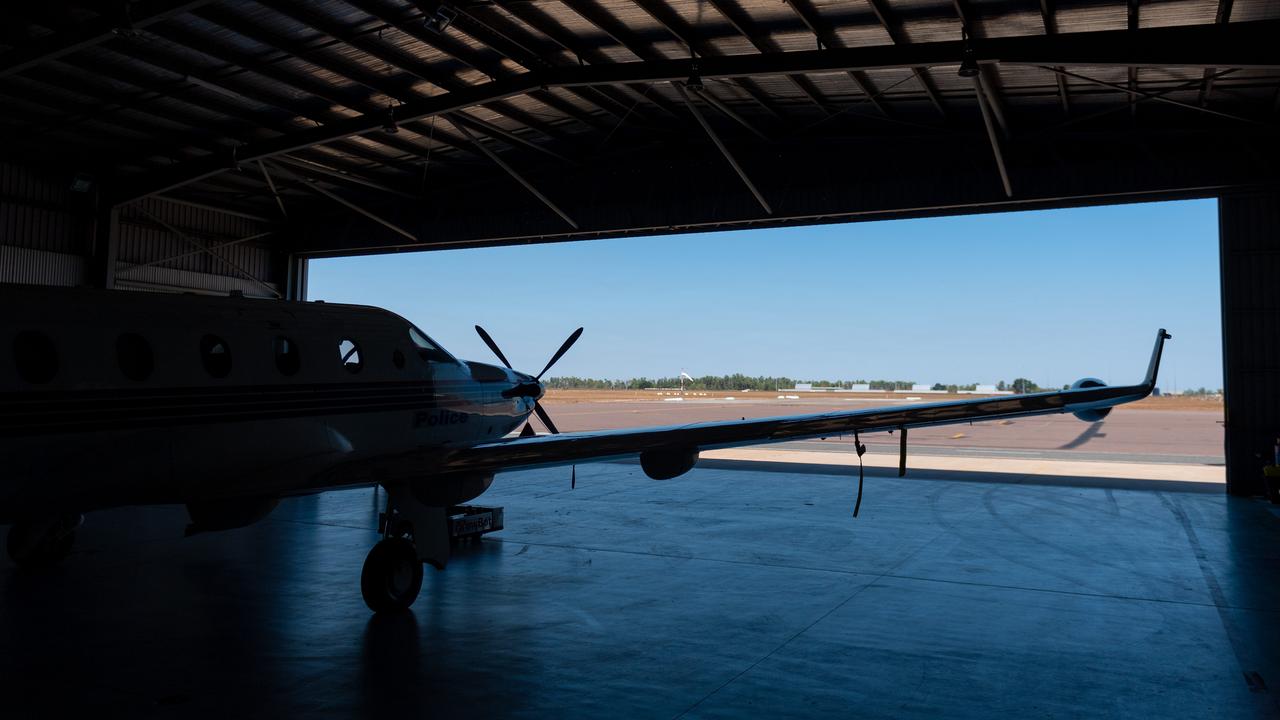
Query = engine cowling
x=448 y=490
x=1090 y=415
x=667 y=463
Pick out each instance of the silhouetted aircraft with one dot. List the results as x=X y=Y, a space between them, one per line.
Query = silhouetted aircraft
x=228 y=405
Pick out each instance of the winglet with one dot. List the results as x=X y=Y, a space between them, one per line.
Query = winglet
x=1154 y=367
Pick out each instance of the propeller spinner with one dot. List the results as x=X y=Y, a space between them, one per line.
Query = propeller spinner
x=537 y=408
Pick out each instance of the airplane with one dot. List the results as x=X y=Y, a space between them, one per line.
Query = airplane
x=229 y=404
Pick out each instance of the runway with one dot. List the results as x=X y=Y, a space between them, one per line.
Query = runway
x=728 y=592
x=1139 y=444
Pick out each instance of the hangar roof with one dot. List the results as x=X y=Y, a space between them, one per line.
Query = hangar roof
x=376 y=125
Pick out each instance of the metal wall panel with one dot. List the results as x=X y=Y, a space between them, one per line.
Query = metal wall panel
x=159 y=279
x=1249 y=236
x=41 y=267
x=163 y=245
x=37 y=213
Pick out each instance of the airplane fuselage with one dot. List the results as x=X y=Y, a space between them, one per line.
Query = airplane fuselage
x=113 y=398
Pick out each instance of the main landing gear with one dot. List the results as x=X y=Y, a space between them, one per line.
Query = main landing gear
x=43 y=543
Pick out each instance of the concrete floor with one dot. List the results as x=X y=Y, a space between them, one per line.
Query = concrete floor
x=729 y=592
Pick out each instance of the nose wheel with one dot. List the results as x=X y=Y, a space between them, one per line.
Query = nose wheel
x=392 y=575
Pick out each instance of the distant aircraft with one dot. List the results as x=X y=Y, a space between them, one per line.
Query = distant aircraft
x=228 y=405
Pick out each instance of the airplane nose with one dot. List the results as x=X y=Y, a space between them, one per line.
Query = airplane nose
x=525 y=387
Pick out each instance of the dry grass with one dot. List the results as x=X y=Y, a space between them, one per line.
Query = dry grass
x=586 y=396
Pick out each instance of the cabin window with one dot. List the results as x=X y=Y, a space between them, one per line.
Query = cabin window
x=427 y=348
x=288 y=361
x=35 y=357
x=134 y=356
x=215 y=353
x=350 y=354
x=397 y=359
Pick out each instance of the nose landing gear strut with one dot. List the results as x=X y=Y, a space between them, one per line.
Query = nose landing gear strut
x=412 y=533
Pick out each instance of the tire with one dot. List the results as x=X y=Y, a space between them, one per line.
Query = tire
x=38 y=546
x=392 y=576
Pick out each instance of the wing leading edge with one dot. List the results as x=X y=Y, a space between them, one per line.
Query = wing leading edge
x=687 y=440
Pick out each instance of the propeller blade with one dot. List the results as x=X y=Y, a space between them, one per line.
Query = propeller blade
x=546 y=419
x=493 y=346
x=527 y=431
x=559 y=353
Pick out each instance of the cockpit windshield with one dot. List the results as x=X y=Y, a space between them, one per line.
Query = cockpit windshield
x=427 y=347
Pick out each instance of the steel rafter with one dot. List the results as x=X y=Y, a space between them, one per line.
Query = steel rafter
x=1222 y=17
x=747 y=27
x=370 y=80
x=893 y=26
x=827 y=38
x=464 y=53
x=686 y=34
x=724 y=151
x=1244 y=45
x=241 y=134
x=625 y=36
x=402 y=61
x=134 y=16
x=1050 y=20
x=515 y=175
x=541 y=22
x=268 y=70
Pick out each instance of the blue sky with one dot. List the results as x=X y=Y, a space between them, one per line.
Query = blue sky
x=1049 y=295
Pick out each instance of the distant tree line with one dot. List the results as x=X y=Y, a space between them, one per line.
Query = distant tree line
x=739 y=382
x=1202 y=392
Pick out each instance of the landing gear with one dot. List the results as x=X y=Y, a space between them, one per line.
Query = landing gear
x=392 y=575
x=412 y=533
x=43 y=543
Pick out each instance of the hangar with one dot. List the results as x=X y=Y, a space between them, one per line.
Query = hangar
x=215 y=147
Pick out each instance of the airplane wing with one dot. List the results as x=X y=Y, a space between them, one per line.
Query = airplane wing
x=669 y=451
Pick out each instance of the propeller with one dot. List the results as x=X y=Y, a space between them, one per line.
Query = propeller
x=537 y=408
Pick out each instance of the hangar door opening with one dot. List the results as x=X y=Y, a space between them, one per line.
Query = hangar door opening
x=759 y=323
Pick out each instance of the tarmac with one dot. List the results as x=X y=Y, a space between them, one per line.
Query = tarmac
x=741 y=589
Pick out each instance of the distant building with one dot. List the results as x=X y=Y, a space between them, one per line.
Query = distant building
x=860 y=387
x=807 y=387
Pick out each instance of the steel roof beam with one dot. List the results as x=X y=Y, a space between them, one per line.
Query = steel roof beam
x=1133 y=71
x=828 y=38
x=1243 y=45
x=988 y=75
x=343 y=201
x=673 y=23
x=464 y=53
x=501 y=38
x=540 y=21
x=227 y=85
x=1050 y=19
x=993 y=137
x=893 y=26
x=402 y=61
x=625 y=36
x=371 y=81
x=514 y=174
x=141 y=14
x=1222 y=17
x=742 y=21
x=711 y=133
